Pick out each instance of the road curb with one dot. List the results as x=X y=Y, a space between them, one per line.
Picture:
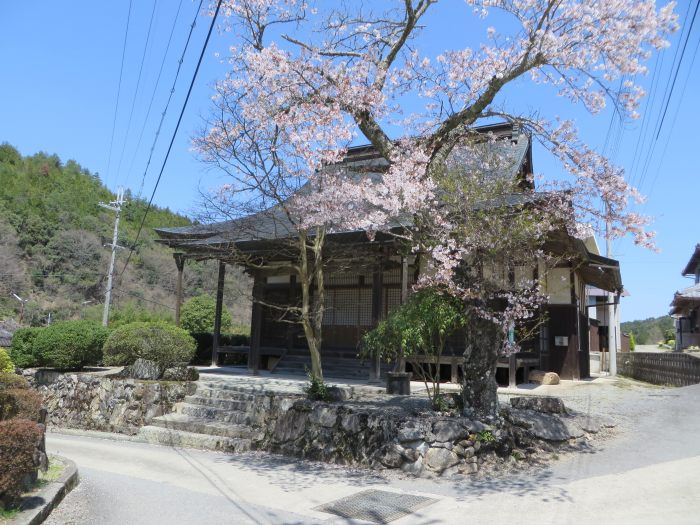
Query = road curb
x=49 y=496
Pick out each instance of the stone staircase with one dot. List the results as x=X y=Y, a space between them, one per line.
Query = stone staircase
x=218 y=416
x=337 y=364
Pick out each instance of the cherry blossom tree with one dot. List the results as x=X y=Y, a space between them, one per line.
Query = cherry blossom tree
x=308 y=78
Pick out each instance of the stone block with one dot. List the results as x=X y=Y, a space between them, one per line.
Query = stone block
x=438 y=459
x=392 y=456
x=544 y=378
x=324 y=416
x=351 y=423
x=547 y=426
x=415 y=468
x=546 y=404
x=413 y=430
x=449 y=430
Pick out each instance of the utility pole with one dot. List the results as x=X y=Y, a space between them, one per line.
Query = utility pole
x=115 y=206
x=612 y=305
x=22 y=302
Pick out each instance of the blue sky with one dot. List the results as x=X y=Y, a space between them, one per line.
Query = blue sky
x=60 y=75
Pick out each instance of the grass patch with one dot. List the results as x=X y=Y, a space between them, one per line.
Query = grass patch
x=8 y=514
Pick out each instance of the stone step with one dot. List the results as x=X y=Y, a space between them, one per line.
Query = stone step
x=180 y=438
x=213 y=414
x=219 y=402
x=216 y=392
x=202 y=426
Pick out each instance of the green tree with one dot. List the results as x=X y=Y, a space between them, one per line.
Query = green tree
x=421 y=327
x=197 y=315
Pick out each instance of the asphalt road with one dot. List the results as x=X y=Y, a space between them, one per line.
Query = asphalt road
x=648 y=473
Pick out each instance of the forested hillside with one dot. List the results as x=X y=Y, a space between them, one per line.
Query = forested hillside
x=649 y=331
x=52 y=254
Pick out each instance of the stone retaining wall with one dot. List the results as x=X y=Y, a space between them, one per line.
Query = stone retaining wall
x=660 y=368
x=425 y=444
x=346 y=434
x=90 y=402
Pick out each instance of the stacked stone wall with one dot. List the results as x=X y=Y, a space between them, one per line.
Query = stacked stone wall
x=89 y=402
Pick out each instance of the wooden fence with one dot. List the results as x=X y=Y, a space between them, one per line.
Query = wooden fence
x=662 y=368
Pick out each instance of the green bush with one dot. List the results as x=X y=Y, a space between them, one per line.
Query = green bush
x=633 y=343
x=12 y=380
x=70 y=344
x=22 y=347
x=6 y=364
x=165 y=344
x=197 y=315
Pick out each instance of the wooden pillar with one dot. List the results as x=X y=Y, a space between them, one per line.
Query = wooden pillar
x=180 y=263
x=404 y=298
x=256 y=324
x=217 y=314
x=377 y=310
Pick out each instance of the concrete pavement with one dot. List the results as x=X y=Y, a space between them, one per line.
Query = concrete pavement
x=649 y=473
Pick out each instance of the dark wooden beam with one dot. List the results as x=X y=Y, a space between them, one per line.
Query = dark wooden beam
x=217 y=315
x=180 y=263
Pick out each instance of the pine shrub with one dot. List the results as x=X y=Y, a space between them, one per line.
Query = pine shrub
x=70 y=345
x=22 y=347
x=165 y=344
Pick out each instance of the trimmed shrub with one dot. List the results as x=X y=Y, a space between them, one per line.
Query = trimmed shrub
x=20 y=403
x=12 y=380
x=6 y=364
x=22 y=347
x=165 y=344
x=197 y=315
x=70 y=344
x=18 y=465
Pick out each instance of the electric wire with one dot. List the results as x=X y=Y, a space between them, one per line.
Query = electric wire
x=172 y=140
x=136 y=91
x=170 y=97
x=666 y=98
x=153 y=96
x=119 y=89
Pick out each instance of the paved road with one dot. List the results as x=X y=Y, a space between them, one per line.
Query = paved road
x=649 y=473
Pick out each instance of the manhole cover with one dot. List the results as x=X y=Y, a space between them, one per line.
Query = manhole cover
x=376 y=506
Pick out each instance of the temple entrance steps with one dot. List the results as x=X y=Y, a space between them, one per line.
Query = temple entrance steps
x=216 y=417
x=337 y=363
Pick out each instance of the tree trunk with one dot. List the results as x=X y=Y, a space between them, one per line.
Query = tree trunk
x=479 y=389
x=312 y=297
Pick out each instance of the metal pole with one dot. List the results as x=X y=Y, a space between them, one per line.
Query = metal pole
x=612 y=328
x=115 y=206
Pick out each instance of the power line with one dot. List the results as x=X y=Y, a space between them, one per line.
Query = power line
x=153 y=95
x=666 y=97
x=172 y=140
x=136 y=91
x=675 y=76
x=119 y=89
x=675 y=116
x=170 y=97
